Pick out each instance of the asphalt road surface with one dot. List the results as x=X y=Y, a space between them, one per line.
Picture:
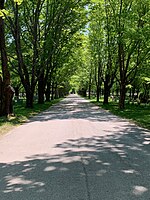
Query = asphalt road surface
x=75 y=151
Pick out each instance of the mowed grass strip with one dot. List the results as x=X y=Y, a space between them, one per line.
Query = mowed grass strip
x=139 y=114
x=22 y=114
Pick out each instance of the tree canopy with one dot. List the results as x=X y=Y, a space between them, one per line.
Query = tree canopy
x=95 y=47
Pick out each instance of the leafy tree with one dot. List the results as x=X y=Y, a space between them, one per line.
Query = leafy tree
x=119 y=35
x=96 y=37
x=39 y=35
x=131 y=29
x=110 y=54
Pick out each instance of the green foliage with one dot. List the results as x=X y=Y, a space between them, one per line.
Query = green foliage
x=81 y=59
x=4 y=13
x=19 y=2
x=146 y=80
x=76 y=43
x=47 y=39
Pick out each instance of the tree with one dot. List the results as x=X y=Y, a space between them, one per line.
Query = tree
x=110 y=66
x=103 y=46
x=67 y=19
x=39 y=35
x=80 y=62
x=6 y=91
x=96 y=38
x=133 y=44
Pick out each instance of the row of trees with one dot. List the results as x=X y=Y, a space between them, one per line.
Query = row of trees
x=118 y=46
x=40 y=37
x=49 y=46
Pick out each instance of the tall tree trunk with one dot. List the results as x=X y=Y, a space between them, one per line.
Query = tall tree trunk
x=89 y=95
x=1 y=97
x=22 y=68
x=90 y=85
x=121 y=59
x=48 y=90
x=29 y=98
x=106 y=92
x=121 y=56
x=28 y=78
x=6 y=90
x=52 y=95
x=97 y=93
x=98 y=81
x=122 y=96
x=41 y=89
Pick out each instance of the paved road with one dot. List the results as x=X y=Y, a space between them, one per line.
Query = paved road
x=75 y=151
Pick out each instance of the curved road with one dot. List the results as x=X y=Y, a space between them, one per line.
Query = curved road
x=75 y=151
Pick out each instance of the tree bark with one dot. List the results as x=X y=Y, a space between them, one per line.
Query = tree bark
x=22 y=68
x=28 y=78
x=106 y=92
x=29 y=98
x=41 y=89
x=48 y=92
x=90 y=85
x=98 y=81
x=48 y=89
x=7 y=91
x=1 y=96
x=97 y=93
x=121 y=56
x=122 y=96
x=89 y=95
x=52 y=95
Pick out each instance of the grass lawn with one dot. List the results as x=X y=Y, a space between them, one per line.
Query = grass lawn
x=22 y=114
x=140 y=114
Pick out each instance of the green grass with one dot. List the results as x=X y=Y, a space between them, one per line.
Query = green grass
x=139 y=114
x=22 y=114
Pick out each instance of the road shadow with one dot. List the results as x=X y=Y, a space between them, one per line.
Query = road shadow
x=74 y=107
x=114 y=167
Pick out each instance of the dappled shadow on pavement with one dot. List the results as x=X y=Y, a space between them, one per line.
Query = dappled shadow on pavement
x=74 y=107
x=111 y=167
